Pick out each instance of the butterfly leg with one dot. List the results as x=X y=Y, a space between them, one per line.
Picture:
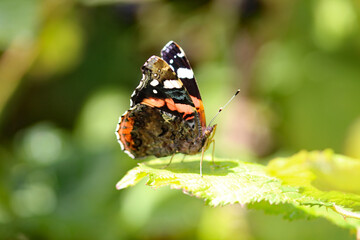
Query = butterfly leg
x=182 y=160
x=201 y=160
x=169 y=162
x=213 y=154
x=207 y=143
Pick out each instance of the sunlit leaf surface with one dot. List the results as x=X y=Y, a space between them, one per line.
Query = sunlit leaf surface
x=286 y=186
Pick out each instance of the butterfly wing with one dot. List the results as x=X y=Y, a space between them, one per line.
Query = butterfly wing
x=162 y=119
x=144 y=131
x=176 y=58
x=160 y=88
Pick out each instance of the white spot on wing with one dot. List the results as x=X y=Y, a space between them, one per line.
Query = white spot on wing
x=185 y=73
x=170 y=84
x=140 y=85
x=128 y=153
x=122 y=116
x=117 y=134
x=181 y=54
x=121 y=144
x=117 y=127
x=167 y=45
x=154 y=83
x=154 y=91
x=171 y=66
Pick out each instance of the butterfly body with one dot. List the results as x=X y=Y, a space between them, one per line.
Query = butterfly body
x=166 y=114
x=154 y=132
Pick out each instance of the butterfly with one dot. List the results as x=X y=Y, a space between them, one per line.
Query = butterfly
x=166 y=114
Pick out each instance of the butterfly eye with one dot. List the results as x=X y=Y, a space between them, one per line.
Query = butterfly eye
x=155 y=76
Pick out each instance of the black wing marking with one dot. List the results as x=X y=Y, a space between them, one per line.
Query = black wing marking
x=160 y=88
x=159 y=81
x=176 y=58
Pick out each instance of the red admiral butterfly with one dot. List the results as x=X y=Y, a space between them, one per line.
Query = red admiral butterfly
x=166 y=114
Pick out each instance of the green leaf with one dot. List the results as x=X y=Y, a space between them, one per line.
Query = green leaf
x=331 y=179
x=231 y=182
x=294 y=187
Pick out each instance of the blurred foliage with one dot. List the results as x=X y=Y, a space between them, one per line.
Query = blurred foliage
x=67 y=70
x=19 y=20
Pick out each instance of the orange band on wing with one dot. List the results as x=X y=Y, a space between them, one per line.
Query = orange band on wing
x=179 y=107
x=153 y=102
x=172 y=106
x=200 y=109
x=125 y=128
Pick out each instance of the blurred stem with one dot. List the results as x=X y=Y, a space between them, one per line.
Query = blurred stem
x=21 y=54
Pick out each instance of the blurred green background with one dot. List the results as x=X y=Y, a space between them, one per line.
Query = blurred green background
x=68 y=68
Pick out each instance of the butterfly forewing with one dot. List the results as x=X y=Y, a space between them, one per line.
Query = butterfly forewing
x=161 y=88
x=176 y=58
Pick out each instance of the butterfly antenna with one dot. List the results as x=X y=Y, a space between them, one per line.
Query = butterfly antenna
x=223 y=107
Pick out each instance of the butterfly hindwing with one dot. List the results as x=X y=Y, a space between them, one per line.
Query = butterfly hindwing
x=145 y=130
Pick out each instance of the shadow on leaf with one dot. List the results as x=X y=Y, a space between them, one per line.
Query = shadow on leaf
x=221 y=168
